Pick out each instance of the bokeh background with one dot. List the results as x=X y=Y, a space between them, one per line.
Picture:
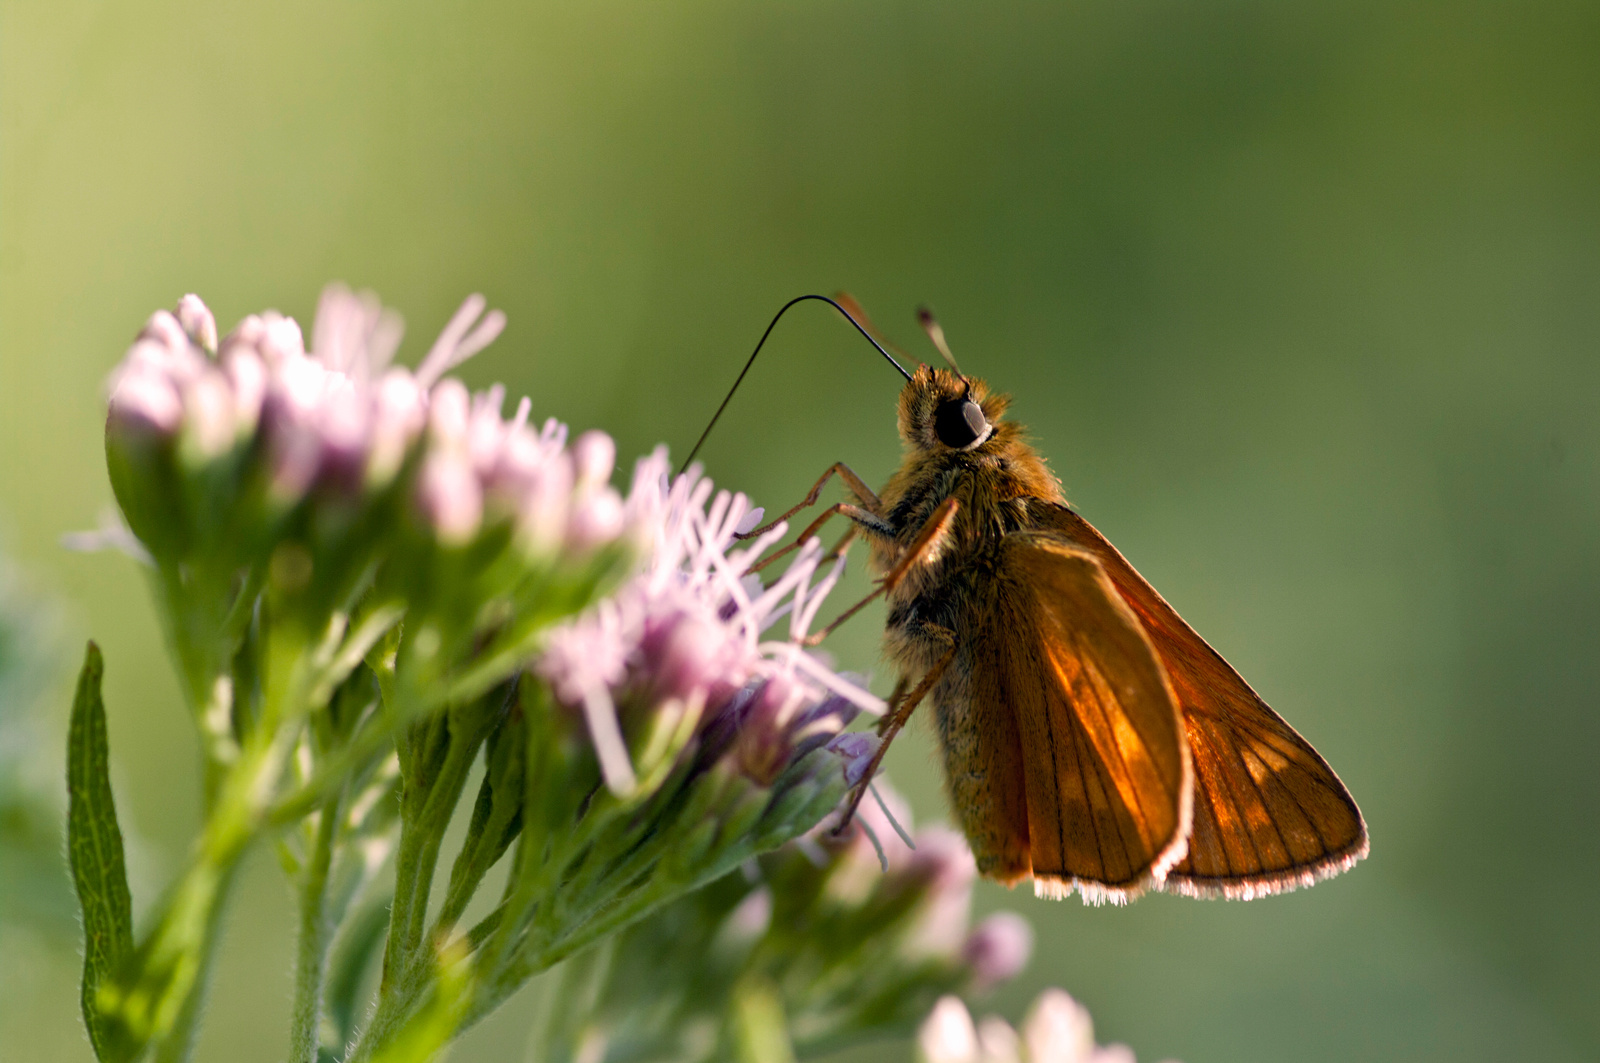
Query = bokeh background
x=1301 y=300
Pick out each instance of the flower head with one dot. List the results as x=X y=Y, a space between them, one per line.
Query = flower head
x=677 y=652
x=339 y=423
x=1057 y=1030
x=339 y=481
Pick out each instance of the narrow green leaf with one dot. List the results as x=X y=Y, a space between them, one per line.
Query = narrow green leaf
x=94 y=844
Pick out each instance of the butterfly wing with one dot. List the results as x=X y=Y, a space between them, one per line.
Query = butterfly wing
x=1269 y=814
x=1105 y=766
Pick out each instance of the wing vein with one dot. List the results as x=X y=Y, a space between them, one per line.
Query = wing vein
x=1088 y=805
x=1106 y=767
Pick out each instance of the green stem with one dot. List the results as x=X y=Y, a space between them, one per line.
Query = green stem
x=178 y=1045
x=169 y=997
x=186 y=937
x=311 y=961
x=408 y=960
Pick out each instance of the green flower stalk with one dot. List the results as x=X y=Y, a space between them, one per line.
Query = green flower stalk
x=831 y=939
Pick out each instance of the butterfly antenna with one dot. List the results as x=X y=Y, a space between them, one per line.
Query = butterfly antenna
x=752 y=361
x=930 y=325
x=854 y=309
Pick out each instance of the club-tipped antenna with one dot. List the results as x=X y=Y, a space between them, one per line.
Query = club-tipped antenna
x=930 y=325
x=752 y=361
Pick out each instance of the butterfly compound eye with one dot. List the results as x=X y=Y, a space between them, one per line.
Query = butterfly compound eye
x=959 y=423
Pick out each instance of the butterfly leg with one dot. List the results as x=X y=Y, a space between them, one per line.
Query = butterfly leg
x=891 y=725
x=927 y=540
x=855 y=513
x=858 y=487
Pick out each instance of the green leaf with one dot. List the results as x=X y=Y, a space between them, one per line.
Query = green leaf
x=94 y=844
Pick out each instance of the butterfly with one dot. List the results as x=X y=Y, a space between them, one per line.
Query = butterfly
x=1092 y=740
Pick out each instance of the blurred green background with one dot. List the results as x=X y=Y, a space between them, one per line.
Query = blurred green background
x=1302 y=301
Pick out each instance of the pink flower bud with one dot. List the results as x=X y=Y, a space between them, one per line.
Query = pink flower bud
x=399 y=410
x=280 y=338
x=542 y=518
x=293 y=459
x=947 y=1034
x=144 y=402
x=944 y=865
x=486 y=432
x=299 y=385
x=208 y=409
x=1058 y=1029
x=164 y=330
x=247 y=376
x=764 y=744
x=197 y=322
x=593 y=457
x=595 y=521
x=997 y=1041
x=942 y=857
x=998 y=949
x=449 y=497
x=449 y=413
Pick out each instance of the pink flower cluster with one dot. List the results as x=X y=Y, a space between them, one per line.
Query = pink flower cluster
x=341 y=421
x=1056 y=1030
x=936 y=861
x=678 y=651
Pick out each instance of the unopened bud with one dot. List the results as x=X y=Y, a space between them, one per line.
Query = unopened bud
x=449 y=413
x=247 y=376
x=595 y=520
x=593 y=457
x=998 y=1042
x=1058 y=1029
x=542 y=520
x=198 y=322
x=998 y=949
x=164 y=329
x=209 y=416
x=947 y=1034
x=281 y=339
x=449 y=497
x=399 y=412
x=145 y=403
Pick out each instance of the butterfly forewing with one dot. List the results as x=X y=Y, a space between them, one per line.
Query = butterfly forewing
x=1104 y=762
x=1269 y=814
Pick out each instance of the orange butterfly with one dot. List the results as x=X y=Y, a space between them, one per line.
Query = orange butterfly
x=1091 y=739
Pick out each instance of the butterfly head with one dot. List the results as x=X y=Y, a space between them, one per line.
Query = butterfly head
x=942 y=411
